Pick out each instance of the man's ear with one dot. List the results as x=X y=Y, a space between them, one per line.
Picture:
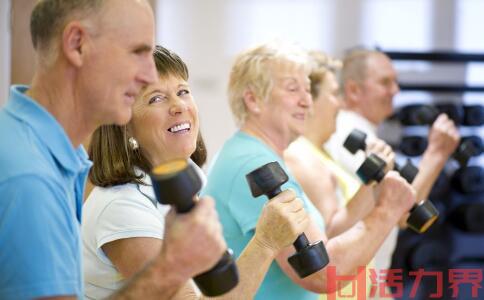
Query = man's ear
x=352 y=92
x=251 y=101
x=74 y=39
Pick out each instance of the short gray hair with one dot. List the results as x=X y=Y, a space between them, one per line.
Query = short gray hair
x=49 y=18
x=355 y=65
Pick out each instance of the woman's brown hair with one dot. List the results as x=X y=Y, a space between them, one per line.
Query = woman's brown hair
x=114 y=160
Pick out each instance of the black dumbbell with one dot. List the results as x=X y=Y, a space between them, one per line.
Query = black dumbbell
x=418 y=114
x=429 y=114
x=413 y=145
x=416 y=145
x=476 y=142
x=429 y=253
x=469 y=217
x=309 y=258
x=465 y=151
x=356 y=140
x=473 y=115
x=422 y=215
x=453 y=111
x=441 y=188
x=176 y=183
x=469 y=180
x=421 y=114
x=426 y=115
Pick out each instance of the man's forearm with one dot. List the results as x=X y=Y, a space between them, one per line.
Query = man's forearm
x=429 y=169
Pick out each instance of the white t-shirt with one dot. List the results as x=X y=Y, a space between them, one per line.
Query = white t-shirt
x=346 y=122
x=109 y=214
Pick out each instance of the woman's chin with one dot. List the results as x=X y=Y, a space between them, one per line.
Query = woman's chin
x=177 y=151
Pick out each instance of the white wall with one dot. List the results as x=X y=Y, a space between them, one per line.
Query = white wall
x=4 y=50
x=208 y=34
x=195 y=30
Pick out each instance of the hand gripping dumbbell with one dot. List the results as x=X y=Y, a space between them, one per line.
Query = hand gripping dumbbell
x=426 y=115
x=356 y=140
x=176 y=183
x=423 y=214
x=309 y=258
x=455 y=112
x=421 y=114
x=468 y=147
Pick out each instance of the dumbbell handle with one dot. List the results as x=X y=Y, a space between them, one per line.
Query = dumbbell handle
x=407 y=171
x=301 y=241
x=209 y=281
x=178 y=190
x=184 y=207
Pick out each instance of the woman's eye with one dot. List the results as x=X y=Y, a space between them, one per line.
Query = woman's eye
x=156 y=99
x=183 y=92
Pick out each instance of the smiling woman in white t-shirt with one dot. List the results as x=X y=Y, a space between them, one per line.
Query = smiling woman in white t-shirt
x=122 y=222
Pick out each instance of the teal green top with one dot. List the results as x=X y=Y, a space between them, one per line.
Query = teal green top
x=239 y=211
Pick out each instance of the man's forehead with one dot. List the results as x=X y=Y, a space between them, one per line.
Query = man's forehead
x=128 y=22
x=116 y=13
x=380 y=65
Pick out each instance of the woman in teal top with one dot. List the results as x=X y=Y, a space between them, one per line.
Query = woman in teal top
x=269 y=94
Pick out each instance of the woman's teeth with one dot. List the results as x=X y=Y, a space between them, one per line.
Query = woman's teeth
x=180 y=127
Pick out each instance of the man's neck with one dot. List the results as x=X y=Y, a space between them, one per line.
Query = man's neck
x=57 y=97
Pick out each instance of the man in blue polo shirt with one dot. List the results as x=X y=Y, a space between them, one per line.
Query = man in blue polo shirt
x=93 y=57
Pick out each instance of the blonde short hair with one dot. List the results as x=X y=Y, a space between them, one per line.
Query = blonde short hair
x=321 y=65
x=251 y=71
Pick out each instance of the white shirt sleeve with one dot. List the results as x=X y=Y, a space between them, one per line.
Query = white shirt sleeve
x=128 y=218
x=113 y=213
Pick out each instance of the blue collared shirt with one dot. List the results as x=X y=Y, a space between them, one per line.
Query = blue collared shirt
x=42 y=178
